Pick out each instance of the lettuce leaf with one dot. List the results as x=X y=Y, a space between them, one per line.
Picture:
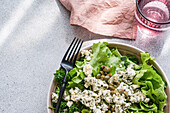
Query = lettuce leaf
x=79 y=64
x=116 y=52
x=85 y=111
x=103 y=55
x=145 y=57
x=151 y=82
x=143 y=108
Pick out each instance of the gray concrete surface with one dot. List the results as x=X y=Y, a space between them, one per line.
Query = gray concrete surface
x=34 y=35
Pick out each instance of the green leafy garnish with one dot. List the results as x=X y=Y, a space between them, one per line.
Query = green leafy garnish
x=59 y=76
x=51 y=107
x=74 y=107
x=63 y=105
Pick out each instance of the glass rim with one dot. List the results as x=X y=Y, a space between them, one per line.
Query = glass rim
x=139 y=10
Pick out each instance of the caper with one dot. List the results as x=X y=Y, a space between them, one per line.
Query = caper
x=98 y=76
x=113 y=92
x=106 y=69
x=110 y=84
x=102 y=77
x=109 y=106
x=117 y=83
x=106 y=78
x=112 y=109
x=111 y=87
x=101 y=72
x=110 y=74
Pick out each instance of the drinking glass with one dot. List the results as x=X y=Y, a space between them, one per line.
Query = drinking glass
x=153 y=16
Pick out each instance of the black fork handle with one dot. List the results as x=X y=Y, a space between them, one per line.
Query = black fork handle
x=62 y=89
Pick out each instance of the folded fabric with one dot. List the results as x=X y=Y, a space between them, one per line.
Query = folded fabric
x=105 y=17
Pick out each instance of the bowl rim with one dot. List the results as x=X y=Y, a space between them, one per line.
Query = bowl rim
x=110 y=43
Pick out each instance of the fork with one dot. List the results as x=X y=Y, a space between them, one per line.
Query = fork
x=68 y=63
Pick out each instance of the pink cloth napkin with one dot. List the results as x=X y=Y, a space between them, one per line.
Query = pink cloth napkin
x=105 y=17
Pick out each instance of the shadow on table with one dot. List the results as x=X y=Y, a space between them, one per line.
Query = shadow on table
x=153 y=43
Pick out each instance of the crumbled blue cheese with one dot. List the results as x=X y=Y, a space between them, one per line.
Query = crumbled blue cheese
x=131 y=72
x=97 y=84
x=99 y=96
x=87 y=54
x=65 y=94
x=127 y=105
x=75 y=94
x=114 y=78
x=88 y=58
x=65 y=110
x=87 y=69
x=146 y=100
x=67 y=98
x=124 y=87
x=89 y=98
x=118 y=108
x=97 y=111
x=69 y=103
x=104 y=107
x=76 y=112
x=54 y=97
x=137 y=97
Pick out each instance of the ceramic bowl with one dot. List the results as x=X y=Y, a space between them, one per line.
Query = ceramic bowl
x=124 y=49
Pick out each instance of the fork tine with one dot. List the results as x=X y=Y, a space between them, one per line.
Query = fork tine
x=77 y=52
x=68 y=49
x=68 y=65
x=74 y=50
x=71 y=51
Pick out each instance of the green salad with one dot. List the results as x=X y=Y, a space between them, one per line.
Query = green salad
x=104 y=81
